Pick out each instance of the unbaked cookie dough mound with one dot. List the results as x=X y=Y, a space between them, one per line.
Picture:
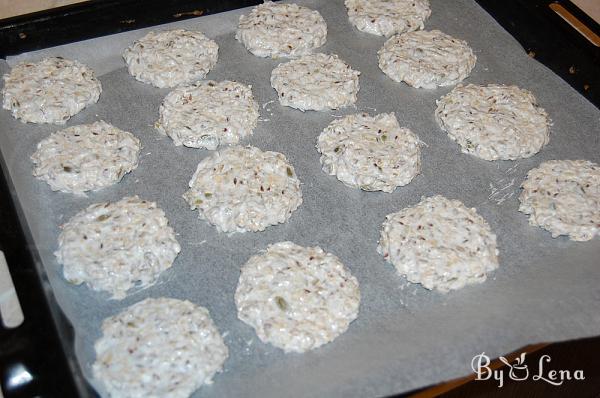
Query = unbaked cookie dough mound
x=208 y=114
x=426 y=59
x=171 y=57
x=242 y=189
x=297 y=298
x=49 y=91
x=315 y=82
x=563 y=197
x=117 y=246
x=281 y=30
x=494 y=122
x=85 y=158
x=159 y=347
x=388 y=17
x=372 y=153
x=440 y=244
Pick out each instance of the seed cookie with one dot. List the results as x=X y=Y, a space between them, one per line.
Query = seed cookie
x=281 y=30
x=159 y=347
x=118 y=246
x=563 y=197
x=208 y=114
x=439 y=243
x=372 y=153
x=297 y=298
x=85 y=158
x=49 y=91
x=171 y=57
x=242 y=189
x=388 y=17
x=494 y=122
x=315 y=82
x=426 y=59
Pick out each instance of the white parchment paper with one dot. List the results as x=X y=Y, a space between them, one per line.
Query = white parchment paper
x=405 y=336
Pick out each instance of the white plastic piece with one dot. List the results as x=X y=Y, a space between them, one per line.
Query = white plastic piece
x=10 y=307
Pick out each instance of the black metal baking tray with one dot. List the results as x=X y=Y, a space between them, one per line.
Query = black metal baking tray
x=40 y=351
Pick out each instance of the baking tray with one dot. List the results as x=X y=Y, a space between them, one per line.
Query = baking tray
x=498 y=324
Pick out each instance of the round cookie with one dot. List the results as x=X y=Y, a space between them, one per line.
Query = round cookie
x=388 y=17
x=315 y=82
x=49 y=91
x=297 y=298
x=426 y=59
x=242 y=189
x=563 y=197
x=372 y=153
x=117 y=246
x=440 y=244
x=208 y=114
x=494 y=122
x=281 y=30
x=171 y=57
x=159 y=347
x=85 y=158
